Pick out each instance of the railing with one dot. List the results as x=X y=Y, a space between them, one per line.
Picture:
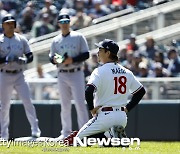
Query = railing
x=116 y=24
x=156 y=88
x=121 y=21
x=164 y=35
x=167 y=33
x=113 y=15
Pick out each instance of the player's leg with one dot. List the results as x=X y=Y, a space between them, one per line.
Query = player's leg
x=94 y=126
x=78 y=92
x=24 y=94
x=102 y=123
x=118 y=130
x=65 y=97
x=6 y=88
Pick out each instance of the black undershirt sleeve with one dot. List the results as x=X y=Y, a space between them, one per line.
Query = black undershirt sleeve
x=51 y=59
x=29 y=57
x=2 y=60
x=81 y=57
x=135 y=99
x=89 y=96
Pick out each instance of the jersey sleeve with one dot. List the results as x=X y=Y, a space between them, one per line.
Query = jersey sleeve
x=52 y=49
x=84 y=44
x=135 y=84
x=26 y=46
x=94 y=79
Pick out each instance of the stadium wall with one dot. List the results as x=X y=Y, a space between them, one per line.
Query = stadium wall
x=148 y=121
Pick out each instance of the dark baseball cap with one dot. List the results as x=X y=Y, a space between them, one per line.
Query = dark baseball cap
x=8 y=18
x=108 y=45
x=63 y=17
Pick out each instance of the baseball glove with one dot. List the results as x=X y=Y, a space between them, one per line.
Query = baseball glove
x=60 y=59
x=21 y=60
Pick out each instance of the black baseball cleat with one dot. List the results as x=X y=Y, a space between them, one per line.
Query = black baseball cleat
x=119 y=132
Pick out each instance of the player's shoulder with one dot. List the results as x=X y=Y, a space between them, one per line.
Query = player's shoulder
x=57 y=37
x=75 y=33
x=128 y=72
x=124 y=68
x=20 y=36
x=101 y=69
x=95 y=70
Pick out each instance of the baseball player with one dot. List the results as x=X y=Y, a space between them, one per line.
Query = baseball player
x=107 y=93
x=13 y=47
x=68 y=51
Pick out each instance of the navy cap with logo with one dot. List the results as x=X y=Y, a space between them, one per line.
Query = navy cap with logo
x=63 y=17
x=109 y=45
x=8 y=18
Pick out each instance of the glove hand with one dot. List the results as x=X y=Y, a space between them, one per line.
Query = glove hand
x=125 y=109
x=94 y=111
x=21 y=60
x=68 y=61
x=58 y=58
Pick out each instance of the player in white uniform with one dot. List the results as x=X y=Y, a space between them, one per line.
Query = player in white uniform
x=107 y=93
x=13 y=47
x=73 y=48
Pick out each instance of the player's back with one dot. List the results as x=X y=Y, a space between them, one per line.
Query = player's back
x=114 y=85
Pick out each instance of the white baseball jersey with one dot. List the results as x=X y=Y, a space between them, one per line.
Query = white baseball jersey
x=113 y=84
x=13 y=47
x=72 y=44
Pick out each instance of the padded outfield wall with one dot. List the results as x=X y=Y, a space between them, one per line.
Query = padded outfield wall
x=150 y=120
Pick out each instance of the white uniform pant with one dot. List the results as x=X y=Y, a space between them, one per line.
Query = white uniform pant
x=8 y=83
x=72 y=87
x=102 y=123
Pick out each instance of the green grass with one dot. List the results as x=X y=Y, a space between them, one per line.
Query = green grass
x=145 y=148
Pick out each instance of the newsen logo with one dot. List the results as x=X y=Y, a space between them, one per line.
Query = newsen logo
x=114 y=141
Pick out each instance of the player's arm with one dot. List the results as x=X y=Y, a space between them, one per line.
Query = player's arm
x=137 y=96
x=52 y=53
x=81 y=57
x=25 y=60
x=51 y=59
x=89 y=96
x=84 y=51
x=89 y=99
x=29 y=57
x=3 y=60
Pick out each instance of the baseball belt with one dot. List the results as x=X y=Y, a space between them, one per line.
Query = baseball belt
x=70 y=70
x=11 y=71
x=112 y=109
